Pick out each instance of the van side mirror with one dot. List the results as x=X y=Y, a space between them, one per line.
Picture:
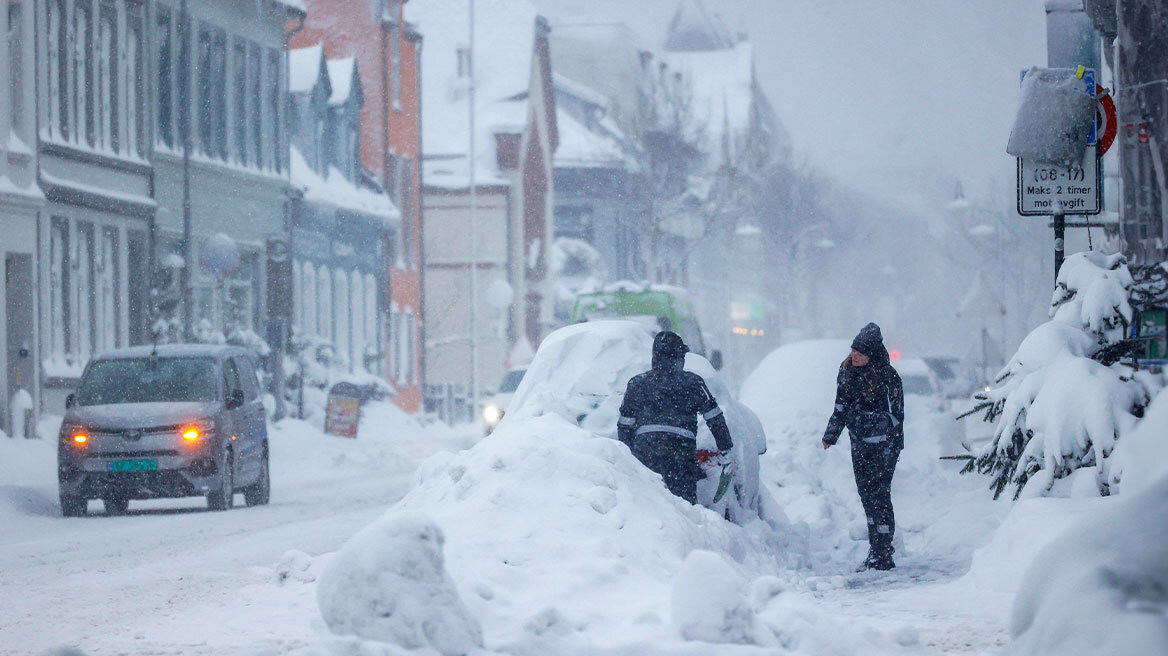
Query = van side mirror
x=70 y=401
x=235 y=399
x=716 y=359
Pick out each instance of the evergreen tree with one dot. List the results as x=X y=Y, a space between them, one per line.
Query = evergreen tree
x=1063 y=400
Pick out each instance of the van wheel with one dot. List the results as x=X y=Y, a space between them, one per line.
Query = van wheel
x=115 y=505
x=72 y=506
x=258 y=493
x=224 y=497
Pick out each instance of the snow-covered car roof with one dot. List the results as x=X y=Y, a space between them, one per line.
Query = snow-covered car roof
x=174 y=351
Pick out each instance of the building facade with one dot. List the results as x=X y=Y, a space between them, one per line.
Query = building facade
x=21 y=203
x=385 y=50
x=514 y=139
x=94 y=167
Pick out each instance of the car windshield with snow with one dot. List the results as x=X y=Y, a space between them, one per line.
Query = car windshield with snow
x=148 y=380
x=171 y=421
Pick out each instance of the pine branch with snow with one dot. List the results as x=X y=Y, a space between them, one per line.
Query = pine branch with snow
x=1062 y=401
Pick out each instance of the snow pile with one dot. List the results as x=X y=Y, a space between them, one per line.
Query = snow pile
x=388 y=583
x=709 y=603
x=1142 y=457
x=1061 y=404
x=1102 y=587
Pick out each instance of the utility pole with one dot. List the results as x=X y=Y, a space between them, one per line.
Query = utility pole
x=187 y=290
x=474 y=240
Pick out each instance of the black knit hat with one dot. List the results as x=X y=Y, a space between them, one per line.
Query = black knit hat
x=869 y=341
x=668 y=345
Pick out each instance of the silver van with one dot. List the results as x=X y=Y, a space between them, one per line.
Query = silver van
x=167 y=421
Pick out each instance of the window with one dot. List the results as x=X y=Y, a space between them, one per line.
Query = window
x=242 y=113
x=405 y=202
x=404 y=326
x=255 y=104
x=219 y=57
x=135 y=75
x=248 y=379
x=107 y=77
x=213 y=92
x=395 y=64
x=230 y=378
x=357 y=302
x=106 y=306
x=372 y=344
x=138 y=286
x=58 y=58
x=463 y=61
x=60 y=282
x=324 y=300
x=275 y=138
x=83 y=73
x=83 y=264
x=165 y=79
x=206 y=91
x=16 y=63
x=309 y=314
x=341 y=315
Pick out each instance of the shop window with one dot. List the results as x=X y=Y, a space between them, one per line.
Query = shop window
x=83 y=73
x=16 y=63
x=60 y=282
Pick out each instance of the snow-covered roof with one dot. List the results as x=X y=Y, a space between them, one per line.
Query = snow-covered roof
x=721 y=84
x=581 y=147
x=504 y=40
x=694 y=28
x=341 y=73
x=304 y=68
x=585 y=93
x=294 y=5
x=333 y=189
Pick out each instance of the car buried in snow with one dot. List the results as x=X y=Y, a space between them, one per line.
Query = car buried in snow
x=167 y=421
x=580 y=373
x=495 y=406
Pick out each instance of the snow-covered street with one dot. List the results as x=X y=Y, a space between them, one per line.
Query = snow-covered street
x=171 y=577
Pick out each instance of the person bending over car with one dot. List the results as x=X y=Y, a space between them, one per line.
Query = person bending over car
x=869 y=402
x=658 y=418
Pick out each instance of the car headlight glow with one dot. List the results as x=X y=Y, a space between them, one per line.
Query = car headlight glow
x=492 y=414
x=80 y=438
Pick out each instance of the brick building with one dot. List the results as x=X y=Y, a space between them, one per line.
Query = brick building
x=386 y=51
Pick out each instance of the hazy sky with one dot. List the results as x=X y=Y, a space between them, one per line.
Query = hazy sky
x=901 y=97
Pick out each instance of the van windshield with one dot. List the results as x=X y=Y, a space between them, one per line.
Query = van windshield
x=148 y=380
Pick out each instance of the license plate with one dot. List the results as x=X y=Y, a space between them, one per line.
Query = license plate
x=133 y=465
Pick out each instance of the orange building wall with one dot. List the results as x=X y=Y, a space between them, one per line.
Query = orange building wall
x=349 y=28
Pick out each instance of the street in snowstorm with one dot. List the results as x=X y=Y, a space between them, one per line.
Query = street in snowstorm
x=542 y=327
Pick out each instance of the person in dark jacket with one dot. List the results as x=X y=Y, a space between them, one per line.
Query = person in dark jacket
x=658 y=418
x=869 y=402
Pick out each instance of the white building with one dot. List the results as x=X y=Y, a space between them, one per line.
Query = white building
x=20 y=203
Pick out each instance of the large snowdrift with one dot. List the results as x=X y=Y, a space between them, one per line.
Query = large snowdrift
x=559 y=541
x=1102 y=587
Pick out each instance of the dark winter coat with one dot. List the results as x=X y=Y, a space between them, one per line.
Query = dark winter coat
x=869 y=400
x=667 y=399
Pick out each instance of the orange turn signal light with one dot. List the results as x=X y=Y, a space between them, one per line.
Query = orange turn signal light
x=80 y=439
x=190 y=434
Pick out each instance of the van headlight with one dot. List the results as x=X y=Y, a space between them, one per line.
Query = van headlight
x=492 y=414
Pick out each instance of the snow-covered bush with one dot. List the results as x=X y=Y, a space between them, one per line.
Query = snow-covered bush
x=578 y=268
x=312 y=366
x=1062 y=401
x=389 y=583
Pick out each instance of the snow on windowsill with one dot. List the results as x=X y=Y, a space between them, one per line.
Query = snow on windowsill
x=97 y=191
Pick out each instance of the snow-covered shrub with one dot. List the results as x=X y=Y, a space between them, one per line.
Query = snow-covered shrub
x=578 y=269
x=312 y=366
x=1062 y=403
x=389 y=583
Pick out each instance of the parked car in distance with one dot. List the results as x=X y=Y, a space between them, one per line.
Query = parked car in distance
x=919 y=379
x=495 y=406
x=167 y=421
x=955 y=378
